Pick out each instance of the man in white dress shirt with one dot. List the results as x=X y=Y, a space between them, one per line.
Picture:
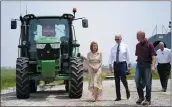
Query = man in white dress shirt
x=119 y=57
x=163 y=60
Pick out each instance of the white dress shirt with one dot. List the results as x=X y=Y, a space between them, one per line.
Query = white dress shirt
x=124 y=54
x=163 y=56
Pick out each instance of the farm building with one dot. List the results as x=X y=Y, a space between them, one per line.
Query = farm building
x=164 y=37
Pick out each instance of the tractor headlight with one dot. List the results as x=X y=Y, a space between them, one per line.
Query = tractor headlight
x=55 y=45
x=40 y=46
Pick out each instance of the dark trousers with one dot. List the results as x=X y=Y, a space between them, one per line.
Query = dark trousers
x=120 y=74
x=144 y=75
x=164 y=71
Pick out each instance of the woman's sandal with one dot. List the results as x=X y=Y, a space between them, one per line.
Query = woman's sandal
x=93 y=100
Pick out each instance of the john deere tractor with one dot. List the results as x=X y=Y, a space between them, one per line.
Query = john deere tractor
x=48 y=51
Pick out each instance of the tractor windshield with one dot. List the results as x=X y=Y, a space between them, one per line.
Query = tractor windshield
x=48 y=28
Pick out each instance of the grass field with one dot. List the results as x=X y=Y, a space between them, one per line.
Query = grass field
x=8 y=77
x=106 y=72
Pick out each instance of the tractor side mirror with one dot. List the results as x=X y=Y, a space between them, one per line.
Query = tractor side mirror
x=13 y=24
x=84 y=23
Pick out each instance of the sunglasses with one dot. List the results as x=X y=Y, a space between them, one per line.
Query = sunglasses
x=117 y=39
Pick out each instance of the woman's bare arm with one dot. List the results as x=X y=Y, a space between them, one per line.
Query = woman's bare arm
x=87 y=60
x=100 y=64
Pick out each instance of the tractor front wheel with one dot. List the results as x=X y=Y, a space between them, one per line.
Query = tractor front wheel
x=76 y=82
x=22 y=78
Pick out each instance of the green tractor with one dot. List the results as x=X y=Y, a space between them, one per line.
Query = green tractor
x=48 y=51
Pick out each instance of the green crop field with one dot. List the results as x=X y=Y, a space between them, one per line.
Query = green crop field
x=8 y=77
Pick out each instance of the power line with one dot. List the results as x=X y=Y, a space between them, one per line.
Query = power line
x=20 y=9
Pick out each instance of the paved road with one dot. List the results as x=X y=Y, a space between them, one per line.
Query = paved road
x=56 y=96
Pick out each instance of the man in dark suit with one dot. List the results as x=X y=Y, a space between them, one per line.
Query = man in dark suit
x=119 y=58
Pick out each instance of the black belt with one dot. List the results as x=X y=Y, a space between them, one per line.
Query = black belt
x=163 y=63
x=120 y=62
x=144 y=62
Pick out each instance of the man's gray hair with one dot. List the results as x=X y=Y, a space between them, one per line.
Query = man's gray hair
x=118 y=35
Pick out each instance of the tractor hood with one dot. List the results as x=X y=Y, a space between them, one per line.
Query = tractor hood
x=42 y=39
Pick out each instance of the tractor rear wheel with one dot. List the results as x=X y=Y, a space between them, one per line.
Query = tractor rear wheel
x=76 y=82
x=22 y=78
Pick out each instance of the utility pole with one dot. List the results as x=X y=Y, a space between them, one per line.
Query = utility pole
x=26 y=9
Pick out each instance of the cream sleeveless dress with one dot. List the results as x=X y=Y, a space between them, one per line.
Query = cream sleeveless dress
x=94 y=78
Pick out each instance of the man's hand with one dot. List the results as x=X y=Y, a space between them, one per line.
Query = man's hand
x=129 y=69
x=153 y=68
x=153 y=63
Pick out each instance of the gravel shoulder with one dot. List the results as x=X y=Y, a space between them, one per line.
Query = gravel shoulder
x=56 y=96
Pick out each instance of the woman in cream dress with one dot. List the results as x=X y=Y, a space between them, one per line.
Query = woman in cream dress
x=94 y=60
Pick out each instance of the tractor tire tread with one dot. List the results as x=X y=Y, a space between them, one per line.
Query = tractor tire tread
x=22 y=78
x=76 y=87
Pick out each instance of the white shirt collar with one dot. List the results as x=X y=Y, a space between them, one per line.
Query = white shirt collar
x=119 y=44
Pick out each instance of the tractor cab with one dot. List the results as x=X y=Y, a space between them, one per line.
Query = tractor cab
x=48 y=32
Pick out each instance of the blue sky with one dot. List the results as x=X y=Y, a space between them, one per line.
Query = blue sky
x=105 y=20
